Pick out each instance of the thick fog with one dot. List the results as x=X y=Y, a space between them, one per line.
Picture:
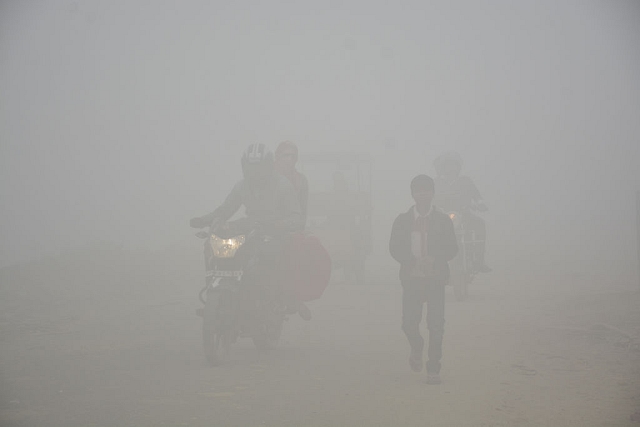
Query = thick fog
x=121 y=120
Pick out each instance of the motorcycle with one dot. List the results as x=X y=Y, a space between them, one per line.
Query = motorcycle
x=462 y=267
x=238 y=301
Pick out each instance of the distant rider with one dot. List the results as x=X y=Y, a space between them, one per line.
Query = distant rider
x=458 y=193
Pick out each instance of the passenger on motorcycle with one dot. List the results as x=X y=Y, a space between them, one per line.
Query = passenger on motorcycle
x=459 y=193
x=270 y=202
x=286 y=159
x=285 y=164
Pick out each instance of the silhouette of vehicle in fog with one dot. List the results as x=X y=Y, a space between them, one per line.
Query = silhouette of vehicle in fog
x=463 y=265
x=340 y=207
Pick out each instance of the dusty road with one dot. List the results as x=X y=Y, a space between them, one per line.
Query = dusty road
x=117 y=344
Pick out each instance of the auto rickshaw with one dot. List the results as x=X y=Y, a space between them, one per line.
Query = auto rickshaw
x=340 y=206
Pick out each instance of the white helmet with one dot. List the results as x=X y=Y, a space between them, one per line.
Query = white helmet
x=257 y=160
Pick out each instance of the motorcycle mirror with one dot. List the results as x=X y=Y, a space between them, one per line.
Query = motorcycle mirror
x=202 y=234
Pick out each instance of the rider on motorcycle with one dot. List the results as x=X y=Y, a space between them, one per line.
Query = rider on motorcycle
x=268 y=197
x=458 y=193
x=271 y=205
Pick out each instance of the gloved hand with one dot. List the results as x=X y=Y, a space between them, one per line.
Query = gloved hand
x=481 y=207
x=197 y=222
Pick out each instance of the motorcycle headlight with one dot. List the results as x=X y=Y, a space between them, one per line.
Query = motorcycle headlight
x=226 y=248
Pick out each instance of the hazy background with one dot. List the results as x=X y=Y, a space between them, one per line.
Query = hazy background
x=121 y=120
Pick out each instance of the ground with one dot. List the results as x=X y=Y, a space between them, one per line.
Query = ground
x=107 y=337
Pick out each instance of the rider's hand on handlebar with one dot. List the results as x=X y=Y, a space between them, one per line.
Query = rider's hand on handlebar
x=481 y=207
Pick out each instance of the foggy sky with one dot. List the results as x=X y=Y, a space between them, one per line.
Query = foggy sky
x=121 y=120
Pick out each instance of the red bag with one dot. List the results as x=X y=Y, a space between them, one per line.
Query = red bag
x=306 y=267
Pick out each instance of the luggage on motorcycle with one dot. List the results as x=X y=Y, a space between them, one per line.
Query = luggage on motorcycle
x=306 y=267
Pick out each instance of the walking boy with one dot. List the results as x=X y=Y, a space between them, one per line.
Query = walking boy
x=423 y=241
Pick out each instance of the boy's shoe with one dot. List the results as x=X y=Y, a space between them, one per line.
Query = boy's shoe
x=433 y=379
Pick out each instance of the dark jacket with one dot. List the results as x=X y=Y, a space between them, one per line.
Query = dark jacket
x=274 y=205
x=441 y=244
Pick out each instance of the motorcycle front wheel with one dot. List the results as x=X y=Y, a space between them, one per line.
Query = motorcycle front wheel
x=216 y=337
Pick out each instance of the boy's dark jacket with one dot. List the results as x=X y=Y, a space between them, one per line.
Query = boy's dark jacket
x=441 y=243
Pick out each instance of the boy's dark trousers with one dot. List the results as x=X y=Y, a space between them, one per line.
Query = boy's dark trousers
x=415 y=292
